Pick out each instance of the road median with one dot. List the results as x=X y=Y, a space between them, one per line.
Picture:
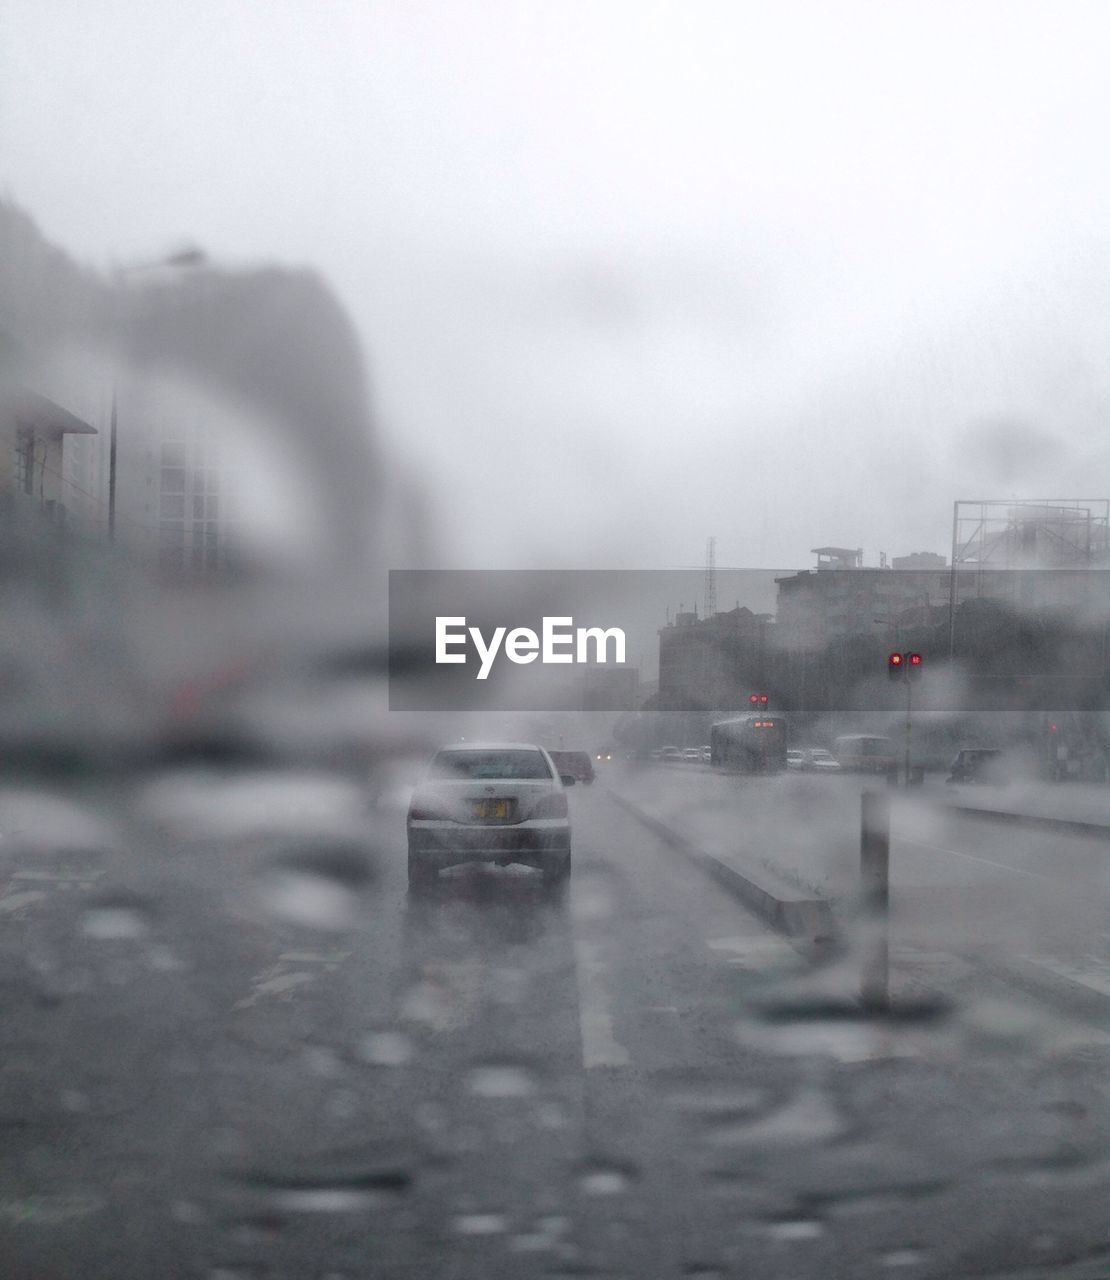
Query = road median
x=792 y=910
x=1033 y=821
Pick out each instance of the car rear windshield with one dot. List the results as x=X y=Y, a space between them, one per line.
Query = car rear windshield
x=489 y=764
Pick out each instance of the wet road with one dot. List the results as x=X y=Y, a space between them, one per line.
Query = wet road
x=223 y=1064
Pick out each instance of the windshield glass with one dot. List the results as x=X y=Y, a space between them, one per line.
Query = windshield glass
x=396 y=395
x=489 y=764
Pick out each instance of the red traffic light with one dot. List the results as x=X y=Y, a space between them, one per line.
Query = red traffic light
x=753 y=698
x=897 y=663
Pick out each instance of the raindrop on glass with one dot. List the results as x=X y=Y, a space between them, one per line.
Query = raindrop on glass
x=319 y=888
x=479 y=1224
x=109 y=922
x=791 y=1230
x=385 y=1049
x=604 y=1180
x=500 y=1082
x=902 y=1258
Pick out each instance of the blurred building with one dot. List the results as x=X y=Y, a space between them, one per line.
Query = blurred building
x=189 y=356
x=919 y=560
x=611 y=689
x=839 y=557
x=176 y=490
x=841 y=598
x=35 y=436
x=713 y=663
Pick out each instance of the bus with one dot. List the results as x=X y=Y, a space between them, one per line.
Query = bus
x=749 y=744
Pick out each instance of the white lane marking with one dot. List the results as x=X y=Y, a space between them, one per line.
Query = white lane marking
x=600 y=1047
x=1090 y=971
x=971 y=857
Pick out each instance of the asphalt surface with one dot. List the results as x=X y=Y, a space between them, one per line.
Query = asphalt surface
x=230 y=1056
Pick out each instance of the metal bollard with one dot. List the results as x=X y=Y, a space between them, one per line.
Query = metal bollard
x=874 y=849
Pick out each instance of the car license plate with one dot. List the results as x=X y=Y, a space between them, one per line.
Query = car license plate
x=491 y=810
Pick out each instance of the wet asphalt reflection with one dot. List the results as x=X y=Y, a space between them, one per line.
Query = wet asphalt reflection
x=234 y=1057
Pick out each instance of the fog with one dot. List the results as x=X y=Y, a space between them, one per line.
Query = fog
x=708 y=261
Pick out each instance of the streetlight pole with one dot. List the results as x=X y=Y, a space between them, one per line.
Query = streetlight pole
x=190 y=257
x=112 y=441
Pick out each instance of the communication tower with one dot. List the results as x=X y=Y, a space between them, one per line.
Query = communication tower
x=710 y=592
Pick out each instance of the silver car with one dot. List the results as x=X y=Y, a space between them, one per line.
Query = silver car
x=490 y=802
x=818 y=760
x=811 y=760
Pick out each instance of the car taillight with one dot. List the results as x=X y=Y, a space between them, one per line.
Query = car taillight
x=424 y=813
x=553 y=806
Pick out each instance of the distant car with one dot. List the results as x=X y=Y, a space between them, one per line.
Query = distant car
x=865 y=753
x=812 y=760
x=692 y=754
x=670 y=754
x=705 y=754
x=978 y=764
x=575 y=763
x=818 y=760
x=603 y=757
x=497 y=803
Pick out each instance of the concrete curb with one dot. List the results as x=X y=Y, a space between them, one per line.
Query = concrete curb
x=794 y=916
x=1065 y=826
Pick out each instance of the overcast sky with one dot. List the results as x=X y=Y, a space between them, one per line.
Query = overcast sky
x=630 y=274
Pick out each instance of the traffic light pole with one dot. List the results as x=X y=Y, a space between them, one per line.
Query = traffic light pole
x=905 y=667
x=909 y=702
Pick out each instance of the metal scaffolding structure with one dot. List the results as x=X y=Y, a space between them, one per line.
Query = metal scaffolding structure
x=993 y=534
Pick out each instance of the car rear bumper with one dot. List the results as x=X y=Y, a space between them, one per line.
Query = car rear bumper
x=441 y=845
